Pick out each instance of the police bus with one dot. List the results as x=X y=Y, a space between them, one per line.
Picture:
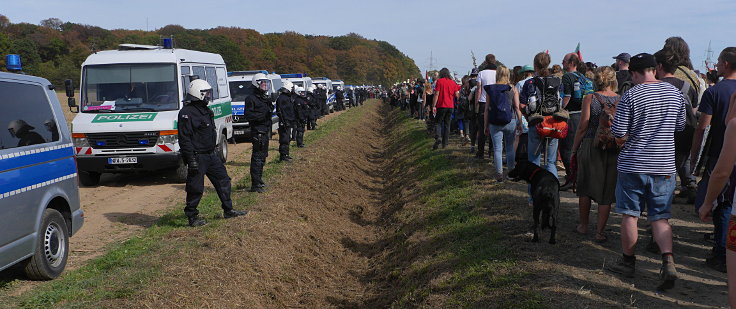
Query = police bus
x=130 y=100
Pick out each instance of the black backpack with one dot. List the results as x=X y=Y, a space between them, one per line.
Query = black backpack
x=548 y=94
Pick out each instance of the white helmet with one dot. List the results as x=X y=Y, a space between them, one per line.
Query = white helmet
x=200 y=90
x=300 y=90
x=257 y=78
x=311 y=88
x=321 y=86
x=19 y=127
x=339 y=87
x=288 y=85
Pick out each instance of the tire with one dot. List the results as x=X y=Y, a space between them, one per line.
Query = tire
x=52 y=248
x=89 y=179
x=222 y=148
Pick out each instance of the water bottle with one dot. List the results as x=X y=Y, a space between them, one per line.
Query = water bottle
x=532 y=105
x=577 y=94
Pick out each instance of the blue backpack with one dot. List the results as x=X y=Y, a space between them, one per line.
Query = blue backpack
x=586 y=86
x=499 y=104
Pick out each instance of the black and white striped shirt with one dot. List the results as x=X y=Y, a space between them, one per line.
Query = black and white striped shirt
x=649 y=114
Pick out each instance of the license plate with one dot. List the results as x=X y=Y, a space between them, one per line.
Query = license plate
x=239 y=132
x=122 y=160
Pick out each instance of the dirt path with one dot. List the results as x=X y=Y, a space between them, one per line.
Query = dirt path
x=123 y=205
x=296 y=247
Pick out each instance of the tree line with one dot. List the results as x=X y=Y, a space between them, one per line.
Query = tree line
x=55 y=50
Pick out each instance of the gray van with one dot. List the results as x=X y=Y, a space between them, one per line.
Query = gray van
x=39 y=192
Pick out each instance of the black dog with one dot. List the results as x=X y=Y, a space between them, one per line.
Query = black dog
x=545 y=194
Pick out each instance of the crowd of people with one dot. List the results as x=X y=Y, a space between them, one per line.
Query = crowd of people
x=624 y=133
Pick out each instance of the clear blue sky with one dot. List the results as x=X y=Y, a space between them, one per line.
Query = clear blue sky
x=513 y=30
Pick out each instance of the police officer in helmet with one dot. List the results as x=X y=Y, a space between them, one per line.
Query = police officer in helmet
x=287 y=119
x=197 y=142
x=259 y=108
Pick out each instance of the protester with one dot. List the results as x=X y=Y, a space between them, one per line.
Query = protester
x=623 y=76
x=446 y=91
x=647 y=116
x=596 y=167
x=486 y=76
x=713 y=109
x=719 y=179
x=502 y=104
x=574 y=87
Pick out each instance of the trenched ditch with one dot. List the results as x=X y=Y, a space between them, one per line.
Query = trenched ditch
x=367 y=216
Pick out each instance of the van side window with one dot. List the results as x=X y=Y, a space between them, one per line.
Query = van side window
x=184 y=86
x=27 y=117
x=199 y=71
x=222 y=82
x=212 y=80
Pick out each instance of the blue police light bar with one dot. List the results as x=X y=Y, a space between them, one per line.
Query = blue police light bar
x=243 y=73
x=294 y=75
x=337 y=80
x=168 y=43
x=12 y=62
x=320 y=78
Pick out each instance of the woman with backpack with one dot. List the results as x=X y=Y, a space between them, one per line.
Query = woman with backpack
x=594 y=156
x=501 y=119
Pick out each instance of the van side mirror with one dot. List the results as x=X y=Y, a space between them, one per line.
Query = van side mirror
x=69 y=88
x=73 y=105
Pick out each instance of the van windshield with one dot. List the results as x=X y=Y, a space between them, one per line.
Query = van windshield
x=240 y=90
x=298 y=83
x=121 y=88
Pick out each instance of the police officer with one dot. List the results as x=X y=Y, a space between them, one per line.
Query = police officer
x=339 y=98
x=197 y=141
x=287 y=119
x=314 y=111
x=259 y=107
x=302 y=115
x=321 y=94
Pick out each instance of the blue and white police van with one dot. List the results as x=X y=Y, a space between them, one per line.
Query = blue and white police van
x=39 y=193
x=298 y=79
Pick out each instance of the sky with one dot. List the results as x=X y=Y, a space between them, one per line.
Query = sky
x=436 y=33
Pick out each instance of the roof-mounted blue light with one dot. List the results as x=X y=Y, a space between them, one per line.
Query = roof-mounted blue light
x=12 y=63
x=168 y=43
x=294 y=75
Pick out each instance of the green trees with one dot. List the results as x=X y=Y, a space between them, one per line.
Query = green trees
x=55 y=50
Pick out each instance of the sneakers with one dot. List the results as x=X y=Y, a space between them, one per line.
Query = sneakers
x=667 y=275
x=196 y=221
x=234 y=213
x=621 y=267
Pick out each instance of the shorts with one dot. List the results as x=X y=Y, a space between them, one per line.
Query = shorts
x=731 y=236
x=634 y=192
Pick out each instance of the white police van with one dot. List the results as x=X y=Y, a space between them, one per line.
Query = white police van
x=130 y=100
x=39 y=194
x=327 y=84
x=298 y=79
x=241 y=86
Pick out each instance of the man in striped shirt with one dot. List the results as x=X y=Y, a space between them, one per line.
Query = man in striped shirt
x=647 y=117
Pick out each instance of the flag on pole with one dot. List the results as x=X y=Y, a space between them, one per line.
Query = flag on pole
x=577 y=51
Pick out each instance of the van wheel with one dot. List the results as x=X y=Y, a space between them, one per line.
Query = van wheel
x=89 y=179
x=222 y=148
x=52 y=248
x=180 y=173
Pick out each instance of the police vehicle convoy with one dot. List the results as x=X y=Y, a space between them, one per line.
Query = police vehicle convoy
x=241 y=86
x=130 y=98
x=39 y=194
x=298 y=80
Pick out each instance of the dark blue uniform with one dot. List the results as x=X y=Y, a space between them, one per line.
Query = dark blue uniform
x=258 y=109
x=197 y=143
x=302 y=115
x=287 y=121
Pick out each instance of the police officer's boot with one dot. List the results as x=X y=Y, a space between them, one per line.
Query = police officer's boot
x=285 y=158
x=234 y=213
x=196 y=221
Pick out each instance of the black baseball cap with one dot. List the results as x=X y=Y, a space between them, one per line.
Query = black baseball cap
x=625 y=57
x=642 y=61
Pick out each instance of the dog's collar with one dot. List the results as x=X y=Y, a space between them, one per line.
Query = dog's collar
x=534 y=173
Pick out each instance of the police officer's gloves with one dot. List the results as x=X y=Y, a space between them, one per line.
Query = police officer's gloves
x=192 y=166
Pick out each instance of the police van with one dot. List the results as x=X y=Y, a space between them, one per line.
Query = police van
x=130 y=100
x=39 y=194
x=241 y=86
x=298 y=79
x=327 y=84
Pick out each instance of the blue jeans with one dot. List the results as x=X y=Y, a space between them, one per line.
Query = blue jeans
x=536 y=149
x=503 y=136
x=634 y=192
x=722 y=211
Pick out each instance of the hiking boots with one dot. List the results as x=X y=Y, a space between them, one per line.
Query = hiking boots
x=196 y=221
x=234 y=213
x=622 y=267
x=667 y=274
